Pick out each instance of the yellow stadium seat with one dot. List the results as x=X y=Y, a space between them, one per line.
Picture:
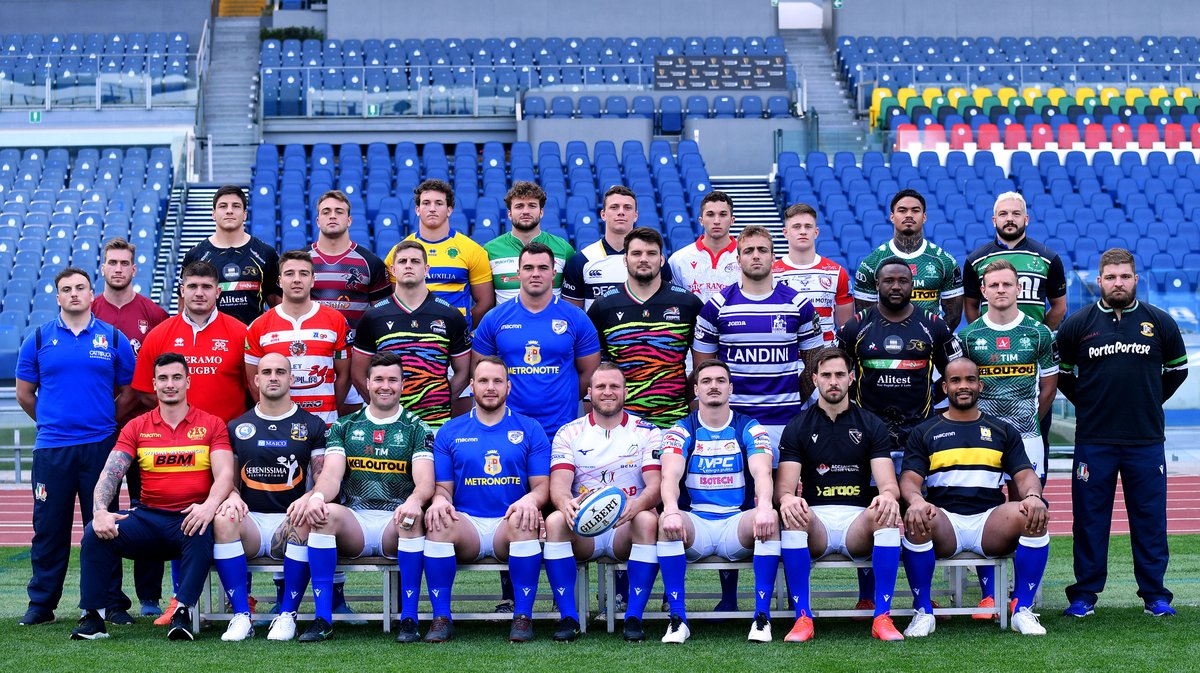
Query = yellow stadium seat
x=954 y=93
x=1133 y=93
x=904 y=93
x=1055 y=94
x=1156 y=94
x=879 y=94
x=981 y=94
x=1182 y=93
x=1083 y=93
x=1005 y=94
x=930 y=94
x=1107 y=94
x=1031 y=93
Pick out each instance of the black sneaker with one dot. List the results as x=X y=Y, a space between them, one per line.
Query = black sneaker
x=408 y=633
x=181 y=624
x=91 y=627
x=441 y=629
x=37 y=617
x=118 y=617
x=318 y=631
x=522 y=629
x=565 y=631
x=633 y=631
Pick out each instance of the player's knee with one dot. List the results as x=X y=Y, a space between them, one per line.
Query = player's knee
x=225 y=530
x=645 y=528
x=557 y=529
x=918 y=538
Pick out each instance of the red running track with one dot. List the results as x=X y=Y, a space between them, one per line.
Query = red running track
x=1183 y=510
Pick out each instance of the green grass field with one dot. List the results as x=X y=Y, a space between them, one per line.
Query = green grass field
x=1119 y=637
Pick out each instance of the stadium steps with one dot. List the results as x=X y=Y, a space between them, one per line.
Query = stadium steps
x=753 y=203
x=231 y=8
x=229 y=98
x=828 y=94
x=168 y=250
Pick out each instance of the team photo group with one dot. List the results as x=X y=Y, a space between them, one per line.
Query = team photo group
x=543 y=407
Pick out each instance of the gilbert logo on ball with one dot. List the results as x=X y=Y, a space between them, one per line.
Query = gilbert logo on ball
x=599 y=511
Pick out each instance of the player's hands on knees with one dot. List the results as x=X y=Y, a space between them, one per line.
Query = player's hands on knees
x=196 y=518
x=795 y=512
x=407 y=515
x=1037 y=516
x=919 y=518
x=631 y=510
x=105 y=524
x=766 y=523
x=297 y=511
x=886 y=510
x=672 y=525
x=234 y=507
x=316 y=512
x=441 y=515
x=523 y=515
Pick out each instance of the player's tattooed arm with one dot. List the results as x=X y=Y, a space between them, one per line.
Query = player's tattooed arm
x=952 y=311
x=316 y=465
x=110 y=479
x=807 y=385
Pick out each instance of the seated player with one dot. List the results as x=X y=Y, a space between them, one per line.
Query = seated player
x=961 y=458
x=379 y=459
x=608 y=447
x=278 y=447
x=723 y=458
x=831 y=452
x=493 y=476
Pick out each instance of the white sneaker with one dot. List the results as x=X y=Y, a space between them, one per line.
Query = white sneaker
x=678 y=632
x=1026 y=623
x=283 y=627
x=922 y=624
x=240 y=628
x=760 y=630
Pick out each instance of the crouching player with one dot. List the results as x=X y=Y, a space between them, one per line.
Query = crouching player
x=607 y=447
x=723 y=459
x=961 y=457
x=493 y=474
x=380 y=459
x=831 y=452
x=278 y=447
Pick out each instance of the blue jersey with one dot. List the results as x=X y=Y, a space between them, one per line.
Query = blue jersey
x=76 y=376
x=490 y=465
x=540 y=350
x=717 y=481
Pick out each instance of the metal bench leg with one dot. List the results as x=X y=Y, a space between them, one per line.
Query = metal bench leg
x=387 y=599
x=610 y=597
x=582 y=588
x=1002 y=592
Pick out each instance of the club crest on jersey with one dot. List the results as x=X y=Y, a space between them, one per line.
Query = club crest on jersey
x=1147 y=329
x=516 y=436
x=99 y=341
x=220 y=345
x=985 y=434
x=1025 y=343
x=299 y=432
x=244 y=431
x=297 y=348
x=1002 y=343
x=491 y=462
x=826 y=282
x=671 y=313
x=230 y=272
x=197 y=432
x=533 y=353
x=143 y=326
x=822 y=469
x=558 y=326
x=855 y=435
x=779 y=325
x=1081 y=472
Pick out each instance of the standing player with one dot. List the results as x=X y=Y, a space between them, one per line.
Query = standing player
x=379 y=461
x=823 y=281
x=525 y=202
x=1121 y=360
x=937 y=279
x=765 y=332
x=599 y=267
x=608 y=447
x=279 y=449
x=548 y=345
x=645 y=327
x=311 y=335
x=953 y=467
x=710 y=264
x=493 y=468
x=248 y=267
x=722 y=459
x=458 y=267
x=429 y=334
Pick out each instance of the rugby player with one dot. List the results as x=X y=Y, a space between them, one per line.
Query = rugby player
x=709 y=265
x=822 y=281
x=526 y=202
x=607 y=447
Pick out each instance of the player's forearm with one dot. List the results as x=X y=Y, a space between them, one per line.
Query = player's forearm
x=223 y=479
x=1056 y=313
x=1171 y=382
x=971 y=309
x=651 y=495
x=952 y=310
x=1046 y=389
x=670 y=490
x=110 y=479
x=764 y=486
x=910 y=488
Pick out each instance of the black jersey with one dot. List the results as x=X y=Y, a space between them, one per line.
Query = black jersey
x=649 y=340
x=247 y=275
x=274 y=455
x=964 y=463
x=427 y=338
x=1040 y=274
x=894 y=363
x=835 y=454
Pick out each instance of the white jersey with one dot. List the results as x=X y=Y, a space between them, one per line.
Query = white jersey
x=603 y=458
x=703 y=271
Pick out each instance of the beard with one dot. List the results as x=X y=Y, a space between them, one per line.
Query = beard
x=1007 y=236
x=488 y=405
x=1121 y=302
x=834 y=396
x=518 y=224
x=886 y=302
x=963 y=406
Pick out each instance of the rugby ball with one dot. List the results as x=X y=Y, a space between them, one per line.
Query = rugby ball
x=599 y=511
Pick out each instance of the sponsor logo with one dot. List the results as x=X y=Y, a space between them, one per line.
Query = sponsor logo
x=378 y=436
x=1002 y=343
x=244 y=431
x=838 y=491
x=893 y=344
x=273 y=443
x=438 y=326
x=671 y=313
x=1119 y=348
x=916 y=345
x=175 y=460
x=822 y=469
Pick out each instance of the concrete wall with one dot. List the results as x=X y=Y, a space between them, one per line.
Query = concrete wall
x=89 y=16
x=738 y=146
x=546 y=18
x=1034 y=18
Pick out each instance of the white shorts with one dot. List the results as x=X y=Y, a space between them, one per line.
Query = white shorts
x=485 y=527
x=717 y=536
x=604 y=545
x=373 y=522
x=968 y=530
x=266 y=524
x=837 y=520
x=353 y=397
x=1035 y=452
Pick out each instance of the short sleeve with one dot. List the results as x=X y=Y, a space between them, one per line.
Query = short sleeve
x=143 y=370
x=756 y=439
x=365 y=340
x=864 y=283
x=479 y=270
x=1015 y=458
x=971 y=288
x=677 y=440
x=460 y=335
x=916 y=455
x=651 y=448
x=1056 y=279
x=254 y=349
x=789 y=441
x=27 y=364
x=562 y=452
x=572 y=282
x=220 y=440
x=443 y=461
x=810 y=335
x=335 y=439
x=587 y=341
x=952 y=281
x=880 y=440
x=484 y=341
x=316 y=437
x=270 y=285
x=843 y=295
x=381 y=286
x=127 y=439
x=423 y=437
x=707 y=336
x=1047 y=353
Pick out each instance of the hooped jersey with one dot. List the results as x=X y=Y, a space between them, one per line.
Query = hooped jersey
x=936 y=275
x=601 y=458
x=379 y=456
x=824 y=283
x=1040 y=274
x=274 y=455
x=349 y=282
x=312 y=343
x=1012 y=359
x=717 y=481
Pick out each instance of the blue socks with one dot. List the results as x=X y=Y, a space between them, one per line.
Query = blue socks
x=295 y=577
x=797 y=565
x=673 y=563
x=409 y=559
x=230 y=560
x=1029 y=564
x=643 y=567
x=866 y=584
x=322 y=561
x=766 y=567
x=560 y=572
x=885 y=562
x=987 y=580
x=440 y=568
x=525 y=567
x=919 y=562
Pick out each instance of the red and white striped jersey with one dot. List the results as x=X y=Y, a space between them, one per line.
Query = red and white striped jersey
x=824 y=282
x=311 y=343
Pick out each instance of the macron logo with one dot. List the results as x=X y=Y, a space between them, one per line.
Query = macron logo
x=525 y=591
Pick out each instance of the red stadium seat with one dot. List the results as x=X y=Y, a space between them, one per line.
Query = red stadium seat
x=1122 y=135
x=1147 y=135
x=1093 y=135
x=960 y=135
x=906 y=134
x=989 y=135
x=1013 y=134
x=1068 y=136
x=1173 y=136
x=1194 y=134
x=934 y=134
x=1039 y=135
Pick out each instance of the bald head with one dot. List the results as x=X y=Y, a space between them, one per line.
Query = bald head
x=273 y=377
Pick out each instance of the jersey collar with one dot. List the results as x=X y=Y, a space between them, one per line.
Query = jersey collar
x=258 y=412
x=724 y=425
x=801 y=267
x=714 y=255
x=212 y=317
x=382 y=421
x=296 y=322
x=908 y=255
x=996 y=326
x=1106 y=309
x=591 y=416
x=90 y=327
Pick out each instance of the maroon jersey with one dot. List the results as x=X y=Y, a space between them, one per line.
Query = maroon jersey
x=349 y=282
x=134 y=320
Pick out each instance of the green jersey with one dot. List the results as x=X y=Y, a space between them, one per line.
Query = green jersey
x=379 y=456
x=1012 y=359
x=1040 y=274
x=503 y=252
x=936 y=275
